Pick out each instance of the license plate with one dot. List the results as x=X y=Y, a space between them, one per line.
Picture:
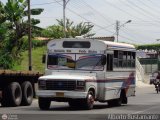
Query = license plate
x=59 y=94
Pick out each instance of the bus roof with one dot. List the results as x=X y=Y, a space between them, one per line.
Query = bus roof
x=117 y=44
x=94 y=44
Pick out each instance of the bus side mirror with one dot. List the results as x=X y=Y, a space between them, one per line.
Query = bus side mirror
x=103 y=59
x=44 y=58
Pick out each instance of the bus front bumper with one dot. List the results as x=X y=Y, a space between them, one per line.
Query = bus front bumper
x=61 y=94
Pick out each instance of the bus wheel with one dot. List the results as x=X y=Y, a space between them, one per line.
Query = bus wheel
x=27 y=93
x=115 y=102
x=44 y=103
x=118 y=102
x=89 y=101
x=111 y=103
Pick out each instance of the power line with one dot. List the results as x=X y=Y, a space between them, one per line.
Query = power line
x=47 y=3
x=155 y=5
x=137 y=33
x=146 y=12
x=124 y=11
x=94 y=23
x=96 y=11
x=114 y=6
x=139 y=12
x=105 y=27
x=79 y=4
x=151 y=8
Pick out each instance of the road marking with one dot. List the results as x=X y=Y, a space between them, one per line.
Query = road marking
x=138 y=112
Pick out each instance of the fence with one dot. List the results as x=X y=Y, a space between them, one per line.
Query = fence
x=150 y=65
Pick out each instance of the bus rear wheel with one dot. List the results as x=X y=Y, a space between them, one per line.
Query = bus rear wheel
x=115 y=102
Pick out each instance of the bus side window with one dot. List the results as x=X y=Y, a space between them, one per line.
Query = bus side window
x=109 y=62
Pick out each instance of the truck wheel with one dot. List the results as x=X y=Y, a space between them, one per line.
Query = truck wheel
x=27 y=93
x=4 y=101
x=12 y=95
x=89 y=101
x=15 y=93
x=44 y=103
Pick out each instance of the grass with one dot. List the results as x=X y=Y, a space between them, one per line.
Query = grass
x=36 y=60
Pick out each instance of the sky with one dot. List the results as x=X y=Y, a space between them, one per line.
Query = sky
x=144 y=27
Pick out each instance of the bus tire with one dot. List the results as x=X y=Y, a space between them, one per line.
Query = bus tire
x=118 y=102
x=27 y=93
x=12 y=95
x=115 y=102
x=89 y=101
x=44 y=103
x=110 y=103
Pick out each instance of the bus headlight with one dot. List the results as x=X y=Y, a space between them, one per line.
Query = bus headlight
x=80 y=84
x=42 y=84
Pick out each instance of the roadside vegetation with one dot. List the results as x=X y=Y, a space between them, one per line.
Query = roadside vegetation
x=14 y=39
x=155 y=47
x=38 y=66
x=14 y=31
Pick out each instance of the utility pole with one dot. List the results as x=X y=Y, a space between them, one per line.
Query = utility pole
x=29 y=38
x=117 y=29
x=64 y=17
x=118 y=26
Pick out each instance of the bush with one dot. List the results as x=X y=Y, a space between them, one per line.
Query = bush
x=35 y=43
x=149 y=47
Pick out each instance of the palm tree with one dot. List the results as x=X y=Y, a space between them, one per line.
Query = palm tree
x=76 y=30
x=14 y=11
x=82 y=29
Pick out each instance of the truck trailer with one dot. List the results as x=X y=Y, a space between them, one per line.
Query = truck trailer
x=17 y=87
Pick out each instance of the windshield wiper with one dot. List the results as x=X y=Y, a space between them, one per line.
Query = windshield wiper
x=95 y=65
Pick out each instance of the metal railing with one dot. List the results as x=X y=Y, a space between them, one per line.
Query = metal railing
x=140 y=71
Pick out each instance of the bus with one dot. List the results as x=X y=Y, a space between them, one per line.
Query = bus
x=82 y=71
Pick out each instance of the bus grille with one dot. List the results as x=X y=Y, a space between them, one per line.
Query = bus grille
x=60 y=85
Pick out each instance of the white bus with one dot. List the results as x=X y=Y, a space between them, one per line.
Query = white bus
x=82 y=71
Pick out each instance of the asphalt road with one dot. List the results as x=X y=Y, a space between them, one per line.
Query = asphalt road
x=146 y=101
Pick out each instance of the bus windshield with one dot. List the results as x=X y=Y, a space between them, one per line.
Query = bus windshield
x=75 y=61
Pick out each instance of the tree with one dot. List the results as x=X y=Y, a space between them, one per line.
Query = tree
x=56 y=31
x=13 y=13
x=82 y=29
x=155 y=47
x=76 y=30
